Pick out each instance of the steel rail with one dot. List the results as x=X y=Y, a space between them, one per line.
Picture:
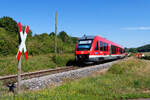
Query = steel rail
x=39 y=73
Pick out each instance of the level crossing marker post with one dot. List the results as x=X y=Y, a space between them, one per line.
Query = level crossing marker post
x=22 y=46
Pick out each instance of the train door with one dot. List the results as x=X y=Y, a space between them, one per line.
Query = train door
x=101 y=48
x=96 y=50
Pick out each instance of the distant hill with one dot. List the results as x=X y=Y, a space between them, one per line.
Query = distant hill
x=145 y=48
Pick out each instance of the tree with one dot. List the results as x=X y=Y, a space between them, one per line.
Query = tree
x=133 y=50
x=9 y=25
x=63 y=36
x=7 y=44
x=74 y=39
x=145 y=48
x=52 y=34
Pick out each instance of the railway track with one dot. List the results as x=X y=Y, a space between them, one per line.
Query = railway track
x=39 y=73
x=43 y=72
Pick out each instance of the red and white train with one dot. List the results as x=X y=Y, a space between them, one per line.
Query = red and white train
x=96 y=48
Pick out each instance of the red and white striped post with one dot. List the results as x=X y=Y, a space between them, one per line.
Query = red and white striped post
x=22 y=46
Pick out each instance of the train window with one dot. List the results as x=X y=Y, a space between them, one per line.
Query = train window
x=116 y=49
x=113 y=49
x=107 y=46
x=96 y=47
x=84 y=45
x=121 y=51
x=101 y=46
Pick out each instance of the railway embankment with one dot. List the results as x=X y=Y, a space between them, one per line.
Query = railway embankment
x=58 y=78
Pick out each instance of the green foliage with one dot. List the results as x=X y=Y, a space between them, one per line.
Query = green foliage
x=117 y=69
x=8 y=65
x=36 y=45
x=145 y=48
x=132 y=50
x=29 y=33
x=64 y=37
x=9 y=25
x=7 y=44
x=52 y=34
x=74 y=39
x=147 y=84
x=126 y=68
x=146 y=57
x=9 y=36
x=134 y=95
x=61 y=60
x=136 y=83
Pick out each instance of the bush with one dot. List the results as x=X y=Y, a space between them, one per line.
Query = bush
x=136 y=83
x=146 y=57
x=62 y=60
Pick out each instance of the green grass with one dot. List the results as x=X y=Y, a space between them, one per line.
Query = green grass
x=124 y=80
x=8 y=65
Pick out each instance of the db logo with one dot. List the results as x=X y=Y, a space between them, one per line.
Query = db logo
x=82 y=52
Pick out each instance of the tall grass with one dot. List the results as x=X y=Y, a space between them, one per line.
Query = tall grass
x=8 y=65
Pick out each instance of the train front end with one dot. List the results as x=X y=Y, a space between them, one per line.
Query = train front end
x=83 y=49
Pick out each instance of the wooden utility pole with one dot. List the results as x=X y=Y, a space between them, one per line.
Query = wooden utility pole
x=56 y=33
x=19 y=77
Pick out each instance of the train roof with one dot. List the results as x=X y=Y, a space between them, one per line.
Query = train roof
x=101 y=38
x=105 y=40
x=87 y=37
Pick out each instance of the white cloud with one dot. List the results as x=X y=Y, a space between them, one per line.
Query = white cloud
x=142 y=28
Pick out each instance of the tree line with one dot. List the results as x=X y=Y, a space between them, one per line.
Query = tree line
x=145 y=48
x=36 y=44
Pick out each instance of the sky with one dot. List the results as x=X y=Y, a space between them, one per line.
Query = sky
x=126 y=22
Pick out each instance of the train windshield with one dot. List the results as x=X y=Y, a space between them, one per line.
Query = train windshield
x=84 y=45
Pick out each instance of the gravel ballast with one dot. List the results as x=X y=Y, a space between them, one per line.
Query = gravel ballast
x=56 y=79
